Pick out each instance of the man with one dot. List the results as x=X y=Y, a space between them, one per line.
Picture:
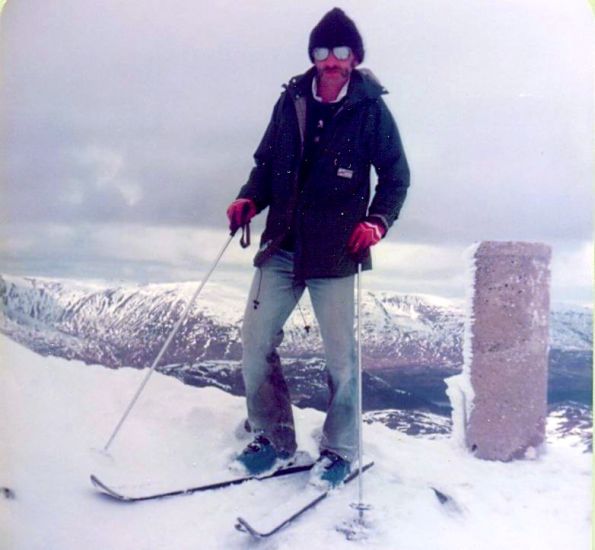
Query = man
x=312 y=170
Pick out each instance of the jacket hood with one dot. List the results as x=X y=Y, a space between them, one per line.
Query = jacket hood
x=362 y=85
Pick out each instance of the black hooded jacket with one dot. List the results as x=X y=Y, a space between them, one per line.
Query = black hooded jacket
x=323 y=210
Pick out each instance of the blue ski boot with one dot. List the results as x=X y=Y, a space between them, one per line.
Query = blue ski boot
x=260 y=457
x=329 y=471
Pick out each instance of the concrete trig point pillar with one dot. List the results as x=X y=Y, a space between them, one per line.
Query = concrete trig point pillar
x=507 y=349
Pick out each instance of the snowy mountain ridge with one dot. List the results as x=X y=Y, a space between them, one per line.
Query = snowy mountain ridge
x=421 y=335
x=398 y=328
x=410 y=343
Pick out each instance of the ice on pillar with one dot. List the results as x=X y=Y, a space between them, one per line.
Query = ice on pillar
x=506 y=364
x=459 y=389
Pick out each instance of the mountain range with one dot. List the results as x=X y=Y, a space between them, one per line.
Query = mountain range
x=410 y=343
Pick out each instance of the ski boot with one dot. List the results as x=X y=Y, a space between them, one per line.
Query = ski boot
x=260 y=457
x=329 y=471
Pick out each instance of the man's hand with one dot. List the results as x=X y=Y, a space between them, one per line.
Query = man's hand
x=365 y=234
x=240 y=212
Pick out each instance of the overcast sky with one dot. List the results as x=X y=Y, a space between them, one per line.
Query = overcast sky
x=128 y=127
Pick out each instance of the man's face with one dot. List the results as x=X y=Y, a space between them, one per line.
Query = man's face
x=335 y=71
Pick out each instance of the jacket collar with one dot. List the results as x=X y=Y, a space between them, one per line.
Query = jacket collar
x=362 y=85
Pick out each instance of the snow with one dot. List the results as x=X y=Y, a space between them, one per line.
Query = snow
x=54 y=412
x=459 y=388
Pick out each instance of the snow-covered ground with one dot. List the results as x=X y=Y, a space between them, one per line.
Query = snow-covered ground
x=54 y=412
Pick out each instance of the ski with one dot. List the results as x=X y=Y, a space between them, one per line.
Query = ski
x=108 y=491
x=243 y=526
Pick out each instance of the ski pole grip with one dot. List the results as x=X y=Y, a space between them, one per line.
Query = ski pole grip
x=245 y=240
x=244 y=225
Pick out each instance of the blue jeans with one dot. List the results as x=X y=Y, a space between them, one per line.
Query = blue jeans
x=267 y=394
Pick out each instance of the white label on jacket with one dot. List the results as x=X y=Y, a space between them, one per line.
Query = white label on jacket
x=345 y=173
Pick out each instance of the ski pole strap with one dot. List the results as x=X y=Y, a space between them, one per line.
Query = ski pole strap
x=245 y=239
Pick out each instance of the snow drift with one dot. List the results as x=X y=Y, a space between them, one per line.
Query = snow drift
x=54 y=412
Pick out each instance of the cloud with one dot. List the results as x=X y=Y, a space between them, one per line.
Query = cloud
x=106 y=171
x=144 y=117
x=153 y=111
x=142 y=253
x=572 y=272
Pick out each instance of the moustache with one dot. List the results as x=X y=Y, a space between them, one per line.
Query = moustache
x=334 y=70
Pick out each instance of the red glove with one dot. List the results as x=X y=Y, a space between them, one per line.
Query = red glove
x=240 y=212
x=365 y=235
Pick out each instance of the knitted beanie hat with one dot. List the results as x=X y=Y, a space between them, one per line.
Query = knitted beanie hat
x=336 y=29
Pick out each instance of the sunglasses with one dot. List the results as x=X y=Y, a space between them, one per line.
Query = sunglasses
x=340 y=52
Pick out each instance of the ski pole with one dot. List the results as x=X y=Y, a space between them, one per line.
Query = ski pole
x=169 y=339
x=360 y=444
x=360 y=506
